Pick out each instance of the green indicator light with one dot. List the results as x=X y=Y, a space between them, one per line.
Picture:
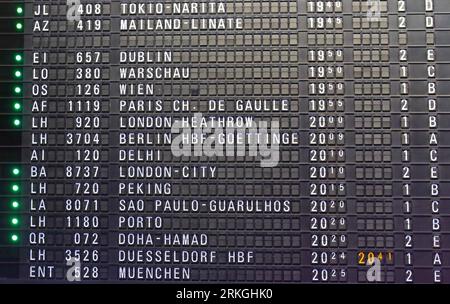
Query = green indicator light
x=19 y=10
x=14 y=237
x=17 y=106
x=14 y=221
x=16 y=122
x=18 y=58
x=19 y=26
x=17 y=73
x=15 y=204
x=15 y=188
x=15 y=171
x=17 y=90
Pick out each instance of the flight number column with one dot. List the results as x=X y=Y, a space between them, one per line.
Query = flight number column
x=68 y=121
x=87 y=139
